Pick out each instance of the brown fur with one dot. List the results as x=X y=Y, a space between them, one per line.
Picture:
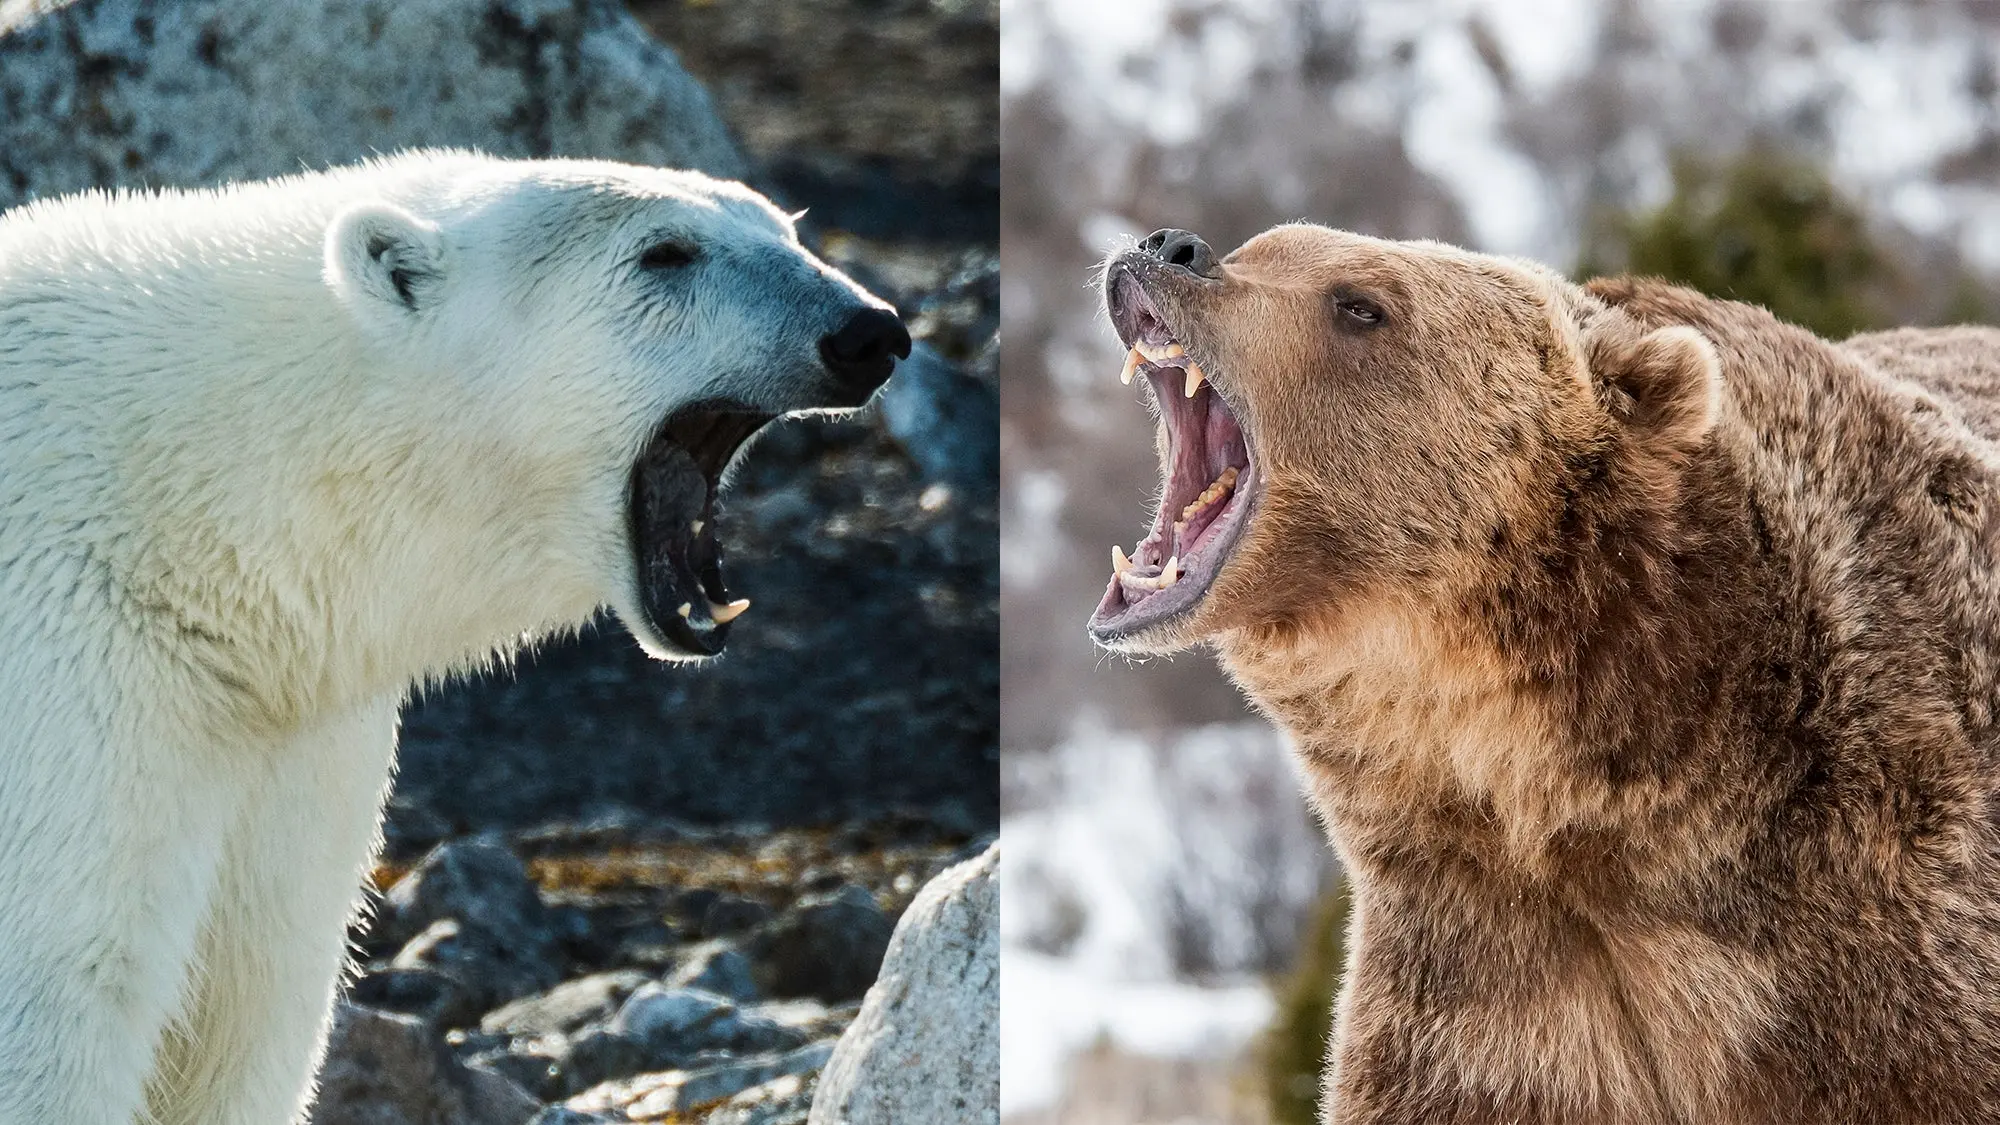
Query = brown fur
x=1644 y=655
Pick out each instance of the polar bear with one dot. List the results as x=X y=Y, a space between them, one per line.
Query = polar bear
x=270 y=453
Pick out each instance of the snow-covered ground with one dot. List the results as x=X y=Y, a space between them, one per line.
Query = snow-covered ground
x=1148 y=885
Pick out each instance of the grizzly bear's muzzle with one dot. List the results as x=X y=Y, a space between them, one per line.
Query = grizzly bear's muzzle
x=1209 y=486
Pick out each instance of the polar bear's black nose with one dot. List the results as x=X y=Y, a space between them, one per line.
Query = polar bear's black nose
x=865 y=350
x=1184 y=249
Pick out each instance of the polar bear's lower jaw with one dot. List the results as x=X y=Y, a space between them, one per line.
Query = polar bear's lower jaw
x=671 y=508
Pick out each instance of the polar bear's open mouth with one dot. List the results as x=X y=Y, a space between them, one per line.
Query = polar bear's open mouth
x=1210 y=484
x=672 y=515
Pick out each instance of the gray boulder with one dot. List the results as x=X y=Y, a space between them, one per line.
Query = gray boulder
x=100 y=93
x=926 y=1046
x=386 y=1069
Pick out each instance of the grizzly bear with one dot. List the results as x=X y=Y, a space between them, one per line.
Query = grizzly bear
x=1643 y=656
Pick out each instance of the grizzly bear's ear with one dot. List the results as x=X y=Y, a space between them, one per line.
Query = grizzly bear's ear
x=1665 y=384
x=381 y=255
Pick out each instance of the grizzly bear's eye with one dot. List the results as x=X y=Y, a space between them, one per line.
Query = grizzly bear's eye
x=1359 y=310
x=668 y=255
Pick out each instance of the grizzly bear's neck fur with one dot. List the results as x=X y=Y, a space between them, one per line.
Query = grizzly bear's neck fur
x=1682 y=811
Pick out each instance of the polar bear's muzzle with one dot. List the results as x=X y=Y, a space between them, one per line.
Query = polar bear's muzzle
x=671 y=510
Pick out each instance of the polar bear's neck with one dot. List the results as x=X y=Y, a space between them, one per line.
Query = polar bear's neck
x=294 y=530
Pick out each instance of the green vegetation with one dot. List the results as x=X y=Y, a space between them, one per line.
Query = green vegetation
x=1764 y=229
x=1294 y=1049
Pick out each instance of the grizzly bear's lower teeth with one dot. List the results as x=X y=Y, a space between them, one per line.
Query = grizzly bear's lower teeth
x=1169 y=574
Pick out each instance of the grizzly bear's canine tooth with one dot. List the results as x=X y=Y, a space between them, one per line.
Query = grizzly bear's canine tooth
x=1194 y=378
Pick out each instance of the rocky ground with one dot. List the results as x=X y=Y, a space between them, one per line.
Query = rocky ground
x=627 y=969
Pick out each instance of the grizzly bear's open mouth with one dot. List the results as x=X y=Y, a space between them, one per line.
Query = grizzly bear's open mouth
x=1210 y=486
x=671 y=510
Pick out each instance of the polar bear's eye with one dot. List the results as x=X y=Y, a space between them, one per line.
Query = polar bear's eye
x=668 y=255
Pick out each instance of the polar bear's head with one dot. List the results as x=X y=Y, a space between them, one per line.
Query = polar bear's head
x=603 y=339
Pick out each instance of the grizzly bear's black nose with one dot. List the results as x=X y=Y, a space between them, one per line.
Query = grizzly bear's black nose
x=863 y=353
x=1184 y=249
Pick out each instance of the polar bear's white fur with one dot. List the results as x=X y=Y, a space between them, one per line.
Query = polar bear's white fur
x=268 y=454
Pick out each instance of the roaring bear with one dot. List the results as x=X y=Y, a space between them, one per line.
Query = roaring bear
x=270 y=453
x=1643 y=656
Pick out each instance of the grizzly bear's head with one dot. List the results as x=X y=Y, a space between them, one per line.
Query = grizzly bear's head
x=1345 y=419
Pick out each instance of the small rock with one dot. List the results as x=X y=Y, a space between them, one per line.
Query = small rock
x=681 y=1017
x=386 y=1069
x=538 y=1074
x=808 y=1019
x=566 y=1007
x=701 y=1087
x=491 y=969
x=692 y=904
x=782 y=1101
x=563 y=1115
x=729 y=915
x=827 y=947
x=477 y=881
x=437 y=998
x=754 y=1032
x=926 y=1045
x=650 y=1097
x=718 y=967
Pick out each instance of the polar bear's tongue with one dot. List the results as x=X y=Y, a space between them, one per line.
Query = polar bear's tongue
x=675 y=550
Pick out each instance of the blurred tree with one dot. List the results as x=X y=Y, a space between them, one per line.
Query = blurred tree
x=1761 y=228
x=1294 y=1051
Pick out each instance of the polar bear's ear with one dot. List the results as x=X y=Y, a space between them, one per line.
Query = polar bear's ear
x=1665 y=384
x=378 y=253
